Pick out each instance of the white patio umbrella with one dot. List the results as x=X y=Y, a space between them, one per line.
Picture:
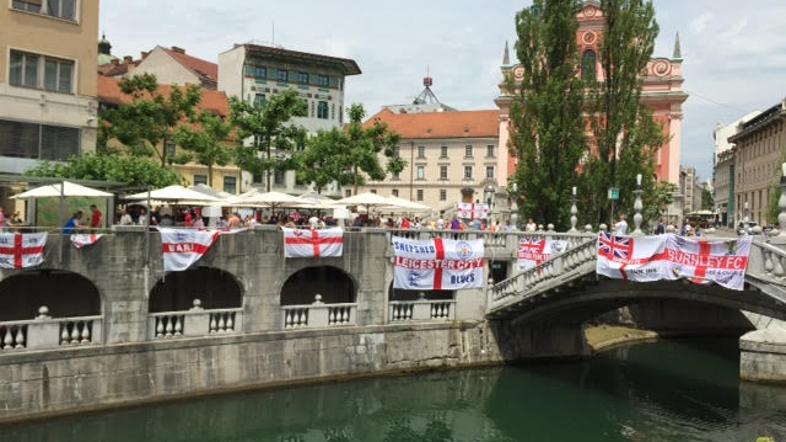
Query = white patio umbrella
x=407 y=204
x=368 y=200
x=272 y=199
x=64 y=189
x=175 y=194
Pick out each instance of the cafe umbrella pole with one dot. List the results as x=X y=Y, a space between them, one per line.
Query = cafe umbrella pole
x=61 y=214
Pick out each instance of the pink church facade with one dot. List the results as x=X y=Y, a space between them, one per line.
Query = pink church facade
x=662 y=91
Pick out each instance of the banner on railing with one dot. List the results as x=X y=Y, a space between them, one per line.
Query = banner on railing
x=534 y=252
x=313 y=243
x=672 y=257
x=21 y=250
x=82 y=240
x=438 y=264
x=473 y=211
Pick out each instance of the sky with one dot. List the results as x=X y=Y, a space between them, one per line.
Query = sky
x=735 y=57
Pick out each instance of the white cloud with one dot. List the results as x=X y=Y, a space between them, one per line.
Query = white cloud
x=700 y=23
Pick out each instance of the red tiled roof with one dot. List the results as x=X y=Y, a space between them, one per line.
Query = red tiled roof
x=204 y=69
x=429 y=125
x=109 y=92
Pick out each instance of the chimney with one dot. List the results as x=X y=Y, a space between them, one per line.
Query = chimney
x=128 y=59
x=144 y=54
x=115 y=61
x=178 y=50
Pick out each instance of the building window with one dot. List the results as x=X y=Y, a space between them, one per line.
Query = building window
x=230 y=184
x=39 y=142
x=259 y=72
x=489 y=172
x=200 y=179
x=170 y=150
x=64 y=9
x=283 y=75
x=394 y=192
x=421 y=151
x=348 y=193
x=313 y=109
x=278 y=177
x=588 y=65
x=421 y=172
x=340 y=113
x=420 y=195
x=396 y=176
x=332 y=111
x=322 y=110
x=302 y=77
x=36 y=71
x=259 y=100
x=468 y=151
x=374 y=191
x=443 y=173
x=491 y=151
x=323 y=81
x=467 y=172
x=443 y=195
x=443 y=152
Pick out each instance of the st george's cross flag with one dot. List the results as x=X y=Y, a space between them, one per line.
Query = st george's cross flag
x=535 y=251
x=438 y=264
x=82 y=240
x=313 y=243
x=473 y=211
x=184 y=247
x=671 y=257
x=21 y=250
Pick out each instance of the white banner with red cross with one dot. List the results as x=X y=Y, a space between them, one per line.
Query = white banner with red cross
x=313 y=243
x=535 y=251
x=672 y=257
x=473 y=211
x=438 y=264
x=82 y=240
x=184 y=247
x=21 y=250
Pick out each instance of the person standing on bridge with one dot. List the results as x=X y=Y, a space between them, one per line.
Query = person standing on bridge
x=621 y=228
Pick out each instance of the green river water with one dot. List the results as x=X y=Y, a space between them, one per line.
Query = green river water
x=679 y=390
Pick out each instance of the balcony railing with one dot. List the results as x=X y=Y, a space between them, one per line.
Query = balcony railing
x=195 y=322
x=46 y=332
x=422 y=310
x=318 y=315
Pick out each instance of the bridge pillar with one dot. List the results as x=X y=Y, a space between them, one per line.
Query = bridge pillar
x=541 y=340
x=763 y=355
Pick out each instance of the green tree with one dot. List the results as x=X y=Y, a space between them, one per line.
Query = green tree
x=206 y=143
x=624 y=133
x=657 y=202
x=149 y=122
x=548 y=127
x=707 y=200
x=132 y=170
x=273 y=136
x=351 y=154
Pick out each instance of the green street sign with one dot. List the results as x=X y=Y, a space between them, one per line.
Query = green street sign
x=614 y=193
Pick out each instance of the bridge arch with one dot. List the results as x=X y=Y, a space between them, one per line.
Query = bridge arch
x=176 y=291
x=334 y=285
x=65 y=293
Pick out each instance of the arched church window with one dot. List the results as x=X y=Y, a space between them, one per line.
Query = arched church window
x=588 y=65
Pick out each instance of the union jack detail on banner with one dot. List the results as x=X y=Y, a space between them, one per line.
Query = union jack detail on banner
x=615 y=247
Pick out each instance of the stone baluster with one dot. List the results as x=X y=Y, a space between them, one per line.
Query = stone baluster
x=780 y=239
x=588 y=228
x=638 y=206
x=85 y=333
x=574 y=210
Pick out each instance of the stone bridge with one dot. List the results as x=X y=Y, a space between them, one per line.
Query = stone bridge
x=104 y=325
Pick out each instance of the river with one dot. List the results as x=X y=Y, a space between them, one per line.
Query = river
x=677 y=390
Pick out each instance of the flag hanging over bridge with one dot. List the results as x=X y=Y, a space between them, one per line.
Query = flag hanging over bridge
x=82 y=240
x=473 y=211
x=313 y=243
x=535 y=251
x=672 y=257
x=21 y=250
x=184 y=247
x=438 y=264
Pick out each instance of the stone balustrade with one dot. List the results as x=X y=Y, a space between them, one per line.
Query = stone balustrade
x=195 y=322
x=45 y=332
x=422 y=310
x=318 y=315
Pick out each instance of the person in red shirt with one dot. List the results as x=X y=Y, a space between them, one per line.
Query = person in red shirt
x=189 y=219
x=96 y=218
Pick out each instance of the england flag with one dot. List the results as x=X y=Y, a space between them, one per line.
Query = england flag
x=184 y=247
x=313 y=243
x=81 y=240
x=21 y=250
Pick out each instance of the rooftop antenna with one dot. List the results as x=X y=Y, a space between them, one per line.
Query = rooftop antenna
x=427 y=96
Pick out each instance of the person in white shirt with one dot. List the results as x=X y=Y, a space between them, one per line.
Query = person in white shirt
x=621 y=228
x=126 y=219
x=531 y=227
x=440 y=223
x=313 y=222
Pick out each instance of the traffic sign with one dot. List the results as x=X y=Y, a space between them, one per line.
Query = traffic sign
x=614 y=193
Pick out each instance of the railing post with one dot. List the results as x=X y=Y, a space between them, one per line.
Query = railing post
x=421 y=310
x=196 y=324
x=573 y=212
x=638 y=206
x=44 y=333
x=780 y=239
x=318 y=313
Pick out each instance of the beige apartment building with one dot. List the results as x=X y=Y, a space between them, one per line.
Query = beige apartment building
x=48 y=108
x=446 y=152
x=760 y=148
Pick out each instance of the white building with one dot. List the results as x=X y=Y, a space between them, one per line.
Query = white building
x=255 y=72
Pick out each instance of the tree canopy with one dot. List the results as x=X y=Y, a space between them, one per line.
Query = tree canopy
x=206 y=143
x=132 y=170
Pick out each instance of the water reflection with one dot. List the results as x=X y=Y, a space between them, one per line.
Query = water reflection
x=681 y=390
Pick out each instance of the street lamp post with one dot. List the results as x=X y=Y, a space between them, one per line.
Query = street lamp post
x=638 y=206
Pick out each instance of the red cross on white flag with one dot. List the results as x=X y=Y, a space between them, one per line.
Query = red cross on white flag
x=21 y=250
x=313 y=243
